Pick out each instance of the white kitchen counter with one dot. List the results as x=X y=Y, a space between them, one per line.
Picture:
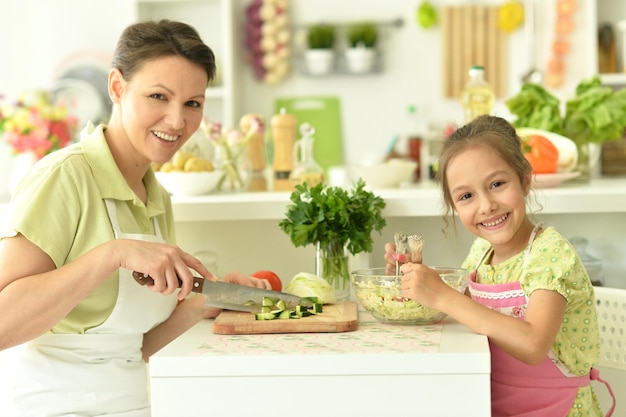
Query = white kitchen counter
x=601 y=195
x=377 y=370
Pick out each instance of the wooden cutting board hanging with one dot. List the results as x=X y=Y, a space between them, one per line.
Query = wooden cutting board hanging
x=471 y=37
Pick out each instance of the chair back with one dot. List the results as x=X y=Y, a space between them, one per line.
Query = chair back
x=611 y=311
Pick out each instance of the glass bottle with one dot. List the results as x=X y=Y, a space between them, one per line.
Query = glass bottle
x=592 y=264
x=283 y=137
x=306 y=168
x=477 y=96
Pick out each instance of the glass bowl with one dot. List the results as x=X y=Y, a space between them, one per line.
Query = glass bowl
x=381 y=296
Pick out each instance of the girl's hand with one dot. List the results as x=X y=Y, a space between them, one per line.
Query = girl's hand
x=422 y=284
x=234 y=277
x=237 y=277
x=390 y=259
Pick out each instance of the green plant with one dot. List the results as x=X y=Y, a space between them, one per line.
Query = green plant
x=333 y=216
x=363 y=33
x=321 y=36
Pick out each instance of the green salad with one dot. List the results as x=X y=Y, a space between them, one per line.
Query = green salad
x=385 y=302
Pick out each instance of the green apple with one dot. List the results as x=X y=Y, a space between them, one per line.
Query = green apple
x=426 y=15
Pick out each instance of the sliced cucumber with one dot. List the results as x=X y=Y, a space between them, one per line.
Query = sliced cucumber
x=277 y=309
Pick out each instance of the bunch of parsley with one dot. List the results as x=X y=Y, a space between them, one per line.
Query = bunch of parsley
x=334 y=216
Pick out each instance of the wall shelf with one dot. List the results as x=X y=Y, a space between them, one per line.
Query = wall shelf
x=340 y=66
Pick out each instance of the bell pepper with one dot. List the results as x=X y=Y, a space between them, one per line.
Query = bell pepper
x=510 y=16
x=541 y=153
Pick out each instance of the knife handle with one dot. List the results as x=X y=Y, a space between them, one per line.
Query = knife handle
x=145 y=279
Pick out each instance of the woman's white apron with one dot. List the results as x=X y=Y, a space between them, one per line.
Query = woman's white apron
x=99 y=373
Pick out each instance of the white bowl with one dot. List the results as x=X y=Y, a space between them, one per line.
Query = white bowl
x=180 y=183
x=389 y=174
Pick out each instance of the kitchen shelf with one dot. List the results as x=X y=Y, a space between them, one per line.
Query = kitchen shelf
x=340 y=66
x=602 y=195
x=614 y=79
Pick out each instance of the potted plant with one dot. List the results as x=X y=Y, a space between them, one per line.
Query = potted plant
x=337 y=222
x=362 y=39
x=320 y=43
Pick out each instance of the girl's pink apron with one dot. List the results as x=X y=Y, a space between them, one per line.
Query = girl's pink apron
x=518 y=389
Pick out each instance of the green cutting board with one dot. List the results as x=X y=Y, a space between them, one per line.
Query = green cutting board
x=324 y=114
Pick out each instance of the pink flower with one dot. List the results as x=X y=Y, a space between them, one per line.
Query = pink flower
x=35 y=124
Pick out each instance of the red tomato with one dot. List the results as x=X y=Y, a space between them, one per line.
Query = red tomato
x=273 y=279
x=541 y=153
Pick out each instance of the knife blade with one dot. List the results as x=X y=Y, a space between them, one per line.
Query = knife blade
x=232 y=296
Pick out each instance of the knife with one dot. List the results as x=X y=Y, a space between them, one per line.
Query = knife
x=233 y=296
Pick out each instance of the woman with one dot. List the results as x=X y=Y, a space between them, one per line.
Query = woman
x=530 y=292
x=76 y=328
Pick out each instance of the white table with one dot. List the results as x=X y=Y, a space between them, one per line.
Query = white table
x=377 y=370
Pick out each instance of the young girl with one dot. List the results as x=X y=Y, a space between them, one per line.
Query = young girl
x=530 y=293
x=75 y=327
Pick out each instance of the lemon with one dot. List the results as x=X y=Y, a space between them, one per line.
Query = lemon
x=510 y=16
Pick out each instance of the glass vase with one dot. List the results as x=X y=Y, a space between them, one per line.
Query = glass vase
x=331 y=263
x=236 y=172
x=583 y=165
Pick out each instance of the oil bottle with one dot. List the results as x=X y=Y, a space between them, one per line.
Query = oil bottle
x=477 y=96
x=306 y=168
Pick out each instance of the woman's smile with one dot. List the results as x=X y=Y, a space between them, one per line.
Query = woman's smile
x=164 y=136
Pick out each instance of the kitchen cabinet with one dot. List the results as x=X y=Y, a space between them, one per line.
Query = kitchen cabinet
x=376 y=370
x=214 y=21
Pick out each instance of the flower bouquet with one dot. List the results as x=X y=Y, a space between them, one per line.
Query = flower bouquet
x=336 y=221
x=230 y=152
x=35 y=124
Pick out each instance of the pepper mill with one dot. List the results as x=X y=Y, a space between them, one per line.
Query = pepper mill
x=284 y=137
x=256 y=151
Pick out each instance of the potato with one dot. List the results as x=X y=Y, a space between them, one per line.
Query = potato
x=196 y=164
x=180 y=158
x=168 y=167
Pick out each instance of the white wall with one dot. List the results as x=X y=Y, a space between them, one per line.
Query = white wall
x=374 y=106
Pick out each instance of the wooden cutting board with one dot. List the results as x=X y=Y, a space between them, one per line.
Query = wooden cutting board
x=470 y=36
x=324 y=114
x=340 y=317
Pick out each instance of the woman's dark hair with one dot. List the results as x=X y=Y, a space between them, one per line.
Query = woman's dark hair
x=492 y=132
x=148 y=40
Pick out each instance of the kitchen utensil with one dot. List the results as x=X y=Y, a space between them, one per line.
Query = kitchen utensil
x=470 y=36
x=533 y=75
x=232 y=296
x=381 y=296
x=401 y=240
x=607 y=54
x=416 y=244
x=335 y=318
